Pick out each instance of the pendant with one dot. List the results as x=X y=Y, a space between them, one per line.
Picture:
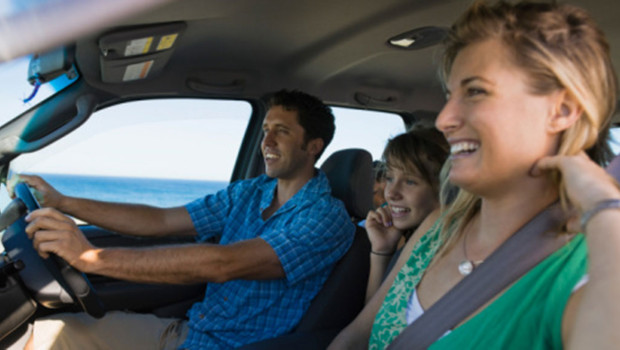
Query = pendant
x=466 y=267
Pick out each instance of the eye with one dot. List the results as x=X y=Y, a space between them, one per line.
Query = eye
x=388 y=178
x=411 y=182
x=475 y=91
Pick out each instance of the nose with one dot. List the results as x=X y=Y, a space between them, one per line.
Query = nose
x=392 y=190
x=268 y=139
x=448 y=119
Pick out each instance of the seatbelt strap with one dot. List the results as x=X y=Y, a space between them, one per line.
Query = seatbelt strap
x=531 y=244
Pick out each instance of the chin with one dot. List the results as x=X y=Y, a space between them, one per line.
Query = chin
x=405 y=224
x=271 y=173
x=462 y=180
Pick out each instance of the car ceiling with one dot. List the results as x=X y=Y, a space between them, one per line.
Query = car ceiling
x=334 y=49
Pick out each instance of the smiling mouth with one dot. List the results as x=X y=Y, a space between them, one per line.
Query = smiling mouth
x=271 y=156
x=399 y=211
x=463 y=148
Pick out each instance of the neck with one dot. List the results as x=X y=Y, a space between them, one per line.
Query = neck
x=287 y=188
x=501 y=216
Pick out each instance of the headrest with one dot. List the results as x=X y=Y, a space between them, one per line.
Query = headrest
x=350 y=175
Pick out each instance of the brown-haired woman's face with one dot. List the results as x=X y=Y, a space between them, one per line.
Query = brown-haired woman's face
x=497 y=129
x=410 y=198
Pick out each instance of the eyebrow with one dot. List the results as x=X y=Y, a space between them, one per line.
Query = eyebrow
x=474 y=78
x=277 y=125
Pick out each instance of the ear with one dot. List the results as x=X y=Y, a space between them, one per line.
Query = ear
x=565 y=113
x=315 y=146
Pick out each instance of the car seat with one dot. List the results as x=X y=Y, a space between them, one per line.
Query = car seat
x=342 y=297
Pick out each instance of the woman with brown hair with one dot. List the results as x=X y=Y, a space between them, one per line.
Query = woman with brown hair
x=412 y=161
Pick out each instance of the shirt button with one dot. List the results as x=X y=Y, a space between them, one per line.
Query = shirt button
x=201 y=316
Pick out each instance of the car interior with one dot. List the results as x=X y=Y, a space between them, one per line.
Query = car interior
x=357 y=56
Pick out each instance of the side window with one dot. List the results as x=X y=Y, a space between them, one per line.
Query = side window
x=163 y=152
x=369 y=130
x=615 y=140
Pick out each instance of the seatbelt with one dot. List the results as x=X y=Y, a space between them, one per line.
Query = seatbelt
x=531 y=244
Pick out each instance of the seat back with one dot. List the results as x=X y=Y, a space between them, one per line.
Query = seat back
x=350 y=175
x=343 y=294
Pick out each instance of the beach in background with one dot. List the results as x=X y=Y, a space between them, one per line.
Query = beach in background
x=156 y=192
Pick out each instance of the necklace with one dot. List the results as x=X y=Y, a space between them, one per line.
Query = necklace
x=467 y=266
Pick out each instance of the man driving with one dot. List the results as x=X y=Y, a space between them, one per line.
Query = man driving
x=279 y=236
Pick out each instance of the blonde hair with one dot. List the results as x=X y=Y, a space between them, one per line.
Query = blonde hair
x=559 y=47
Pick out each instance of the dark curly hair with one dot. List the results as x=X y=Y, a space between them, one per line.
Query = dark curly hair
x=313 y=115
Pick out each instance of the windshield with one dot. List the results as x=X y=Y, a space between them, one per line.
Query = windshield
x=15 y=88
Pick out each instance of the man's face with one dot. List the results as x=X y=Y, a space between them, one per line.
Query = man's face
x=285 y=152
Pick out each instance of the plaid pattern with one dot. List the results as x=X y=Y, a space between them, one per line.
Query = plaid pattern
x=309 y=233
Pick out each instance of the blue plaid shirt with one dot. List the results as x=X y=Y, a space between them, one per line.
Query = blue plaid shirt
x=309 y=233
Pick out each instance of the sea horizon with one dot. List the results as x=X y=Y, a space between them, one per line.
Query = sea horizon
x=151 y=191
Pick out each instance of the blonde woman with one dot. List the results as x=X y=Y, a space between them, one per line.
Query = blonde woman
x=529 y=88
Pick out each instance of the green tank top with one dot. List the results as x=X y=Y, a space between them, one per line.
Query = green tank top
x=527 y=316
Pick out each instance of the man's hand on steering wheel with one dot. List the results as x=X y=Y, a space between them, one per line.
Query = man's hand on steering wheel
x=46 y=195
x=53 y=232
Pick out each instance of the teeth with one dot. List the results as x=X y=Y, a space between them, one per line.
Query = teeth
x=463 y=147
x=271 y=156
x=399 y=209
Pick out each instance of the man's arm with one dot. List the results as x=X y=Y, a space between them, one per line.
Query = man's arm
x=52 y=232
x=132 y=219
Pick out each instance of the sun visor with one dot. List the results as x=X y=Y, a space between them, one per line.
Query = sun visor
x=137 y=53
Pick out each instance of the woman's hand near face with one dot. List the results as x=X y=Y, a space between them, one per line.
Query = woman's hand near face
x=582 y=325
x=586 y=183
x=383 y=236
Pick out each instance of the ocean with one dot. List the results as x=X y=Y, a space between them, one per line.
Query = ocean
x=156 y=192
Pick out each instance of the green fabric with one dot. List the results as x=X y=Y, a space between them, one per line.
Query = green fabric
x=527 y=316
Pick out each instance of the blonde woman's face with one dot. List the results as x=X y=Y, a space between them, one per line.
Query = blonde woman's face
x=496 y=128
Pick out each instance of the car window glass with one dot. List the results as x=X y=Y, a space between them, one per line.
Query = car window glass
x=614 y=142
x=163 y=152
x=365 y=129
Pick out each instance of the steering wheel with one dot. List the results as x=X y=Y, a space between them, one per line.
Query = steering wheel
x=53 y=282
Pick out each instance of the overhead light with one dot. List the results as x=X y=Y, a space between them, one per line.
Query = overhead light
x=404 y=42
x=418 y=38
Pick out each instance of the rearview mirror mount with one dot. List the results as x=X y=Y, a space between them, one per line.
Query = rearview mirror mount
x=47 y=66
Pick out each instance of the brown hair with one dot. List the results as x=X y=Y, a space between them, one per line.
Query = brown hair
x=421 y=150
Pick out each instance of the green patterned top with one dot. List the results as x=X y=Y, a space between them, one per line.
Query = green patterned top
x=527 y=316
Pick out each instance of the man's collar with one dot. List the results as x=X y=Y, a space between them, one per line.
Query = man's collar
x=317 y=185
